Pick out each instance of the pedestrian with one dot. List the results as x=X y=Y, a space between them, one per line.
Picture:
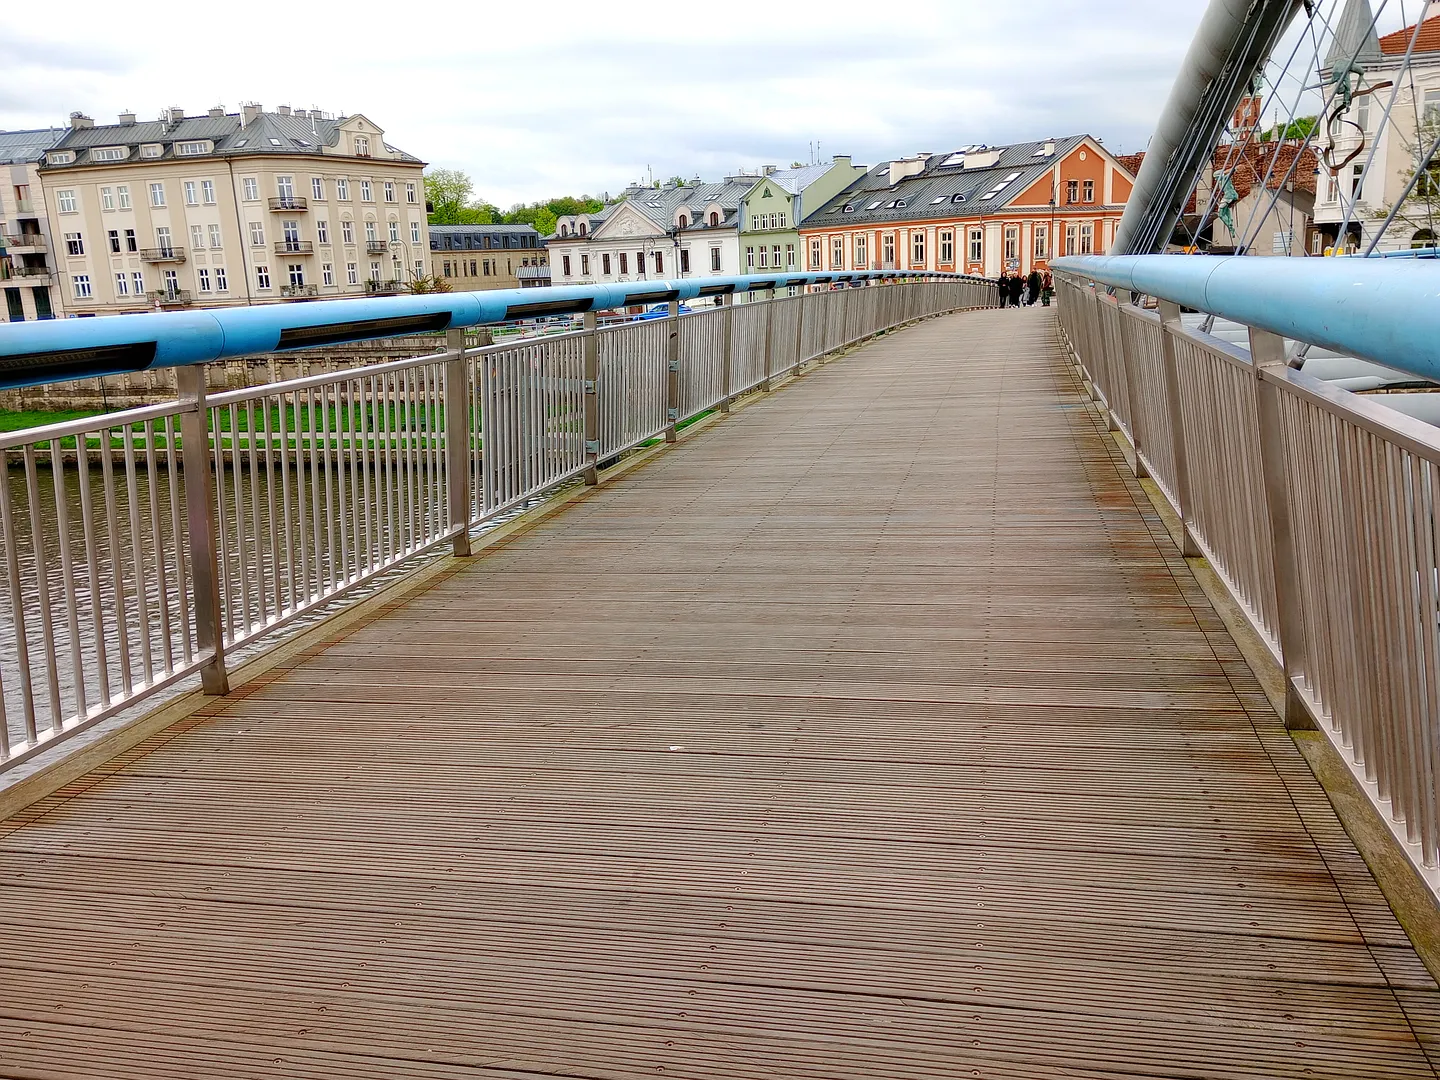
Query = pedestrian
x=1004 y=287
x=1016 y=284
x=1047 y=288
x=1034 y=283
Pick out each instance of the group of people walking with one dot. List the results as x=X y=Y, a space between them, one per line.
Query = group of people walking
x=1017 y=291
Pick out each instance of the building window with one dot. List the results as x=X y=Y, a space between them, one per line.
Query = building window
x=445 y=268
x=191 y=194
x=190 y=149
x=584 y=265
x=789 y=257
x=1072 y=191
x=750 y=259
x=714 y=219
x=684 y=260
x=262 y=277
x=172 y=282
x=764 y=258
x=1042 y=242
x=394 y=232
x=1089 y=196
x=604 y=264
x=837 y=252
x=163 y=241
x=659 y=263
x=257 y=234
x=74 y=245
x=114 y=237
x=389 y=191
x=322 y=231
x=888 y=247
x=917 y=249
x=1070 y=235
x=782 y=218
x=82 y=286
x=203 y=275
x=132 y=243
x=110 y=153
x=1087 y=238
x=285 y=187
x=584 y=228
x=370 y=234
x=862 y=256
x=352 y=273
x=362 y=146
x=207 y=192
x=122 y=285
x=624 y=263
x=152 y=150
x=157 y=194
x=342 y=190
x=317 y=188
x=122 y=194
x=815 y=248
x=367 y=194
x=215 y=237
x=715 y=259
x=107 y=198
x=66 y=201
x=290 y=232
x=250 y=188
x=684 y=222
x=197 y=237
x=565 y=265
x=327 y=274
x=1012 y=244
x=410 y=191
x=415 y=232
x=977 y=245
x=221 y=284
x=947 y=247
x=347 y=232
x=374 y=271
x=138 y=280
x=297 y=274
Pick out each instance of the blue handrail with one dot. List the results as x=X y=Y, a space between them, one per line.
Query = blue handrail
x=1385 y=310
x=33 y=353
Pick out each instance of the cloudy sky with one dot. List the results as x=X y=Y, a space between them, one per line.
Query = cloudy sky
x=562 y=98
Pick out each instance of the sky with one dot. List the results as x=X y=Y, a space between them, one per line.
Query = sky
x=570 y=98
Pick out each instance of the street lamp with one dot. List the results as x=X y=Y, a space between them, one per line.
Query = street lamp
x=398 y=245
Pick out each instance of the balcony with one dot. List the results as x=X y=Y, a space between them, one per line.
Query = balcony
x=294 y=247
x=376 y=247
x=299 y=292
x=163 y=254
x=289 y=202
x=25 y=242
x=35 y=275
x=172 y=298
x=384 y=288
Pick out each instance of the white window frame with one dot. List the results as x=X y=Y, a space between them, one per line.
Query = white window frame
x=352 y=273
x=216 y=239
x=222 y=283
x=415 y=232
x=107 y=198
x=322 y=231
x=389 y=190
x=317 y=188
x=262 y=277
x=410 y=196
x=157 y=194
x=207 y=192
x=202 y=276
x=65 y=201
x=192 y=195
x=976 y=246
x=122 y=283
x=122 y=196
x=342 y=190
x=249 y=188
x=327 y=274
x=74 y=244
x=81 y=284
x=257 y=234
x=367 y=191
x=347 y=231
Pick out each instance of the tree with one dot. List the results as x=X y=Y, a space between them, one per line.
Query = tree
x=449 y=191
x=429 y=285
x=675 y=181
x=1302 y=127
x=1417 y=222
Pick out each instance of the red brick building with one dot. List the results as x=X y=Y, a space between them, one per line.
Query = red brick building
x=977 y=210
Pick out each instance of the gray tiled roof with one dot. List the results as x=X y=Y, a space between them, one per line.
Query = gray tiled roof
x=795 y=181
x=932 y=192
x=660 y=205
x=18 y=147
x=268 y=133
x=491 y=228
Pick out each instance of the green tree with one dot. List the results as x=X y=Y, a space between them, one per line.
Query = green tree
x=1302 y=127
x=449 y=192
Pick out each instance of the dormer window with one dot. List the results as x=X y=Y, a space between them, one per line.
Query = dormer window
x=564 y=230
x=714 y=219
x=60 y=157
x=190 y=149
x=152 y=150
x=109 y=153
x=683 y=221
x=849 y=208
x=362 y=146
x=583 y=229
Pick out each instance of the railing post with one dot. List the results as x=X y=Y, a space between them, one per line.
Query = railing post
x=1267 y=353
x=590 y=345
x=197 y=459
x=1169 y=326
x=1127 y=367
x=727 y=349
x=1098 y=361
x=769 y=319
x=672 y=370
x=459 y=432
x=800 y=329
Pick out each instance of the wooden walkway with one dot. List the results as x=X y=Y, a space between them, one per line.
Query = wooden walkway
x=879 y=732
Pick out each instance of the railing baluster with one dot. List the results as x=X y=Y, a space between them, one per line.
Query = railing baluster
x=457 y=440
x=200 y=514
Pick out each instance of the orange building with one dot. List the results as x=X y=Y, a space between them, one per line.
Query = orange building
x=978 y=210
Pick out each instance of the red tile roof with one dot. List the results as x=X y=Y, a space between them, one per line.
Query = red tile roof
x=1131 y=162
x=1429 y=41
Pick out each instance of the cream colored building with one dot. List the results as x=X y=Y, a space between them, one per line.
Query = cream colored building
x=27 y=250
x=230 y=208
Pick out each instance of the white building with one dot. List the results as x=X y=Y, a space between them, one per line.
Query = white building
x=1369 y=196
x=27 y=249
x=689 y=230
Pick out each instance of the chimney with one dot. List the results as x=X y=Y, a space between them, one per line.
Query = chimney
x=249 y=111
x=1049 y=148
x=283 y=110
x=175 y=114
x=840 y=159
x=899 y=170
x=79 y=120
x=216 y=112
x=769 y=170
x=127 y=118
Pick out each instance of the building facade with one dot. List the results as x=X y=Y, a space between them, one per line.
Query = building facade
x=27 y=248
x=473 y=257
x=1346 y=190
x=679 y=230
x=1257 y=198
x=771 y=211
x=231 y=208
x=979 y=210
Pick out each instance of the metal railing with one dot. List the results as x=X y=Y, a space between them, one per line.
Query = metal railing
x=1319 y=509
x=141 y=547
x=294 y=247
x=174 y=253
x=30 y=241
x=289 y=202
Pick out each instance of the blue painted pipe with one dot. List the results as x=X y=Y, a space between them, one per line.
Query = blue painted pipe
x=32 y=353
x=1384 y=310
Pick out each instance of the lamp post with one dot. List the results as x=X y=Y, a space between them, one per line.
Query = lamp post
x=399 y=245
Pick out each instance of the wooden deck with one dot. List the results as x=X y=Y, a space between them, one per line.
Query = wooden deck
x=878 y=732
